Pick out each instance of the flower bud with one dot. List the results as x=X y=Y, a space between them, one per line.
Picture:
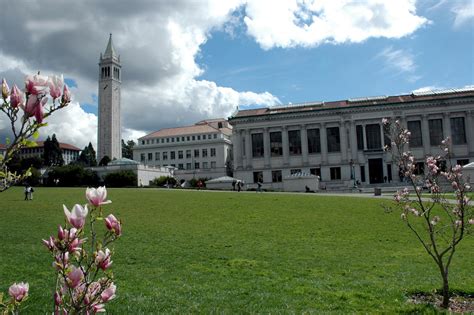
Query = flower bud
x=5 y=89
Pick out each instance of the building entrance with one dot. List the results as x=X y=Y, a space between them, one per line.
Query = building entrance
x=375 y=171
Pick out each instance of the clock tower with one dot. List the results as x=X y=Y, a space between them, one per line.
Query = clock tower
x=109 y=136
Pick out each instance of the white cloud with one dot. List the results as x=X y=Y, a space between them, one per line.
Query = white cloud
x=313 y=22
x=464 y=13
x=400 y=62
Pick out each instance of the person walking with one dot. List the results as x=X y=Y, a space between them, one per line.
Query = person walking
x=30 y=193
x=27 y=191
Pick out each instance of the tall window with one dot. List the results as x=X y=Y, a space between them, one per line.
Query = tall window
x=315 y=171
x=276 y=176
x=188 y=154
x=213 y=164
x=276 y=144
x=150 y=156
x=213 y=151
x=335 y=173
x=436 y=131
x=157 y=156
x=294 y=140
x=173 y=155
x=204 y=153
x=416 y=137
x=196 y=165
x=165 y=156
x=372 y=133
x=257 y=145
x=458 y=131
x=142 y=157
x=314 y=143
x=257 y=177
x=334 y=139
x=180 y=154
x=360 y=137
x=196 y=152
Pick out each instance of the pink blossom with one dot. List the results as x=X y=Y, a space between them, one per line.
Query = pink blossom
x=103 y=259
x=75 y=245
x=75 y=277
x=98 y=308
x=92 y=292
x=403 y=216
x=109 y=293
x=77 y=217
x=18 y=291
x=57 y=298
x=50 y=244
x=113 y=224
x=5 y=89
x=55 y=84
x=435 y=220
x=16 y=97
x=471 y=221
x=34 y=107
x=61 y=233
x=384 y=121
x=36 y=84
x=97 y=197
x=66 y=95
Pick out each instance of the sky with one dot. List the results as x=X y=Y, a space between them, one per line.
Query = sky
x=188 y=60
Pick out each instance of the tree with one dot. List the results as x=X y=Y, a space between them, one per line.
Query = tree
x=121 y=179
x=52 y=155
x=127 y=149
x=87 y=156
x=104 y=161
x=437 y=224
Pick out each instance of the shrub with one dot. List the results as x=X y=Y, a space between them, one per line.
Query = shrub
x=121 y=179
x=163 y=180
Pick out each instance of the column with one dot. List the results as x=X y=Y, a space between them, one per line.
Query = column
x=304 y=144
x=285 y=144
x=425 y=134
x=237 y=143
x=266 y=147
x=364 y=136
x=382 y=136
x=353 y=140
x=470 y=132
x=446 y=126
x=343 y=135
x=248 y=149
x=324 y=144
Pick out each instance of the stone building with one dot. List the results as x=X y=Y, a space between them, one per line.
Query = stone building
x=109 y=125
x=202 y=150
x=342 y=141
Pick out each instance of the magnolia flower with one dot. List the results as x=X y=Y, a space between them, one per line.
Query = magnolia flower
x=16 y=97
x=34 y=107
x=471 y=221
x=74 y=246
x=77 y=217
x=66 y=95
x=98 y=308
x=458 y=222
x=5 y=89
x=55 y=84
x=113 y=224
x=97 y=197
x=75 y=277
x=435 y=220
x=36 y=84
x=18 y=291
x=103 y=259
x=50 y=244
x=57 y=298
x=61 y=233
x=109 y=293
x=92 y=292
x=384 y=121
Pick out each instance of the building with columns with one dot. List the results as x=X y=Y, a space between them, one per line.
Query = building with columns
x=109 y=133
x=202 y=150
x=342 y=141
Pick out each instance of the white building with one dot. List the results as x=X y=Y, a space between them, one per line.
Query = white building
x=69 y=152
x=342 y=141
x=109 y=126
x=202 y=150
x=3 y=149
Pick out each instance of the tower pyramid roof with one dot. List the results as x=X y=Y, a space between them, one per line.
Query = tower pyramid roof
x=110 y=50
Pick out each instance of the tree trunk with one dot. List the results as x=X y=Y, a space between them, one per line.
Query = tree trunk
x=445 y=303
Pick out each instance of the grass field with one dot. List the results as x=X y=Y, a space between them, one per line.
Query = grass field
x=213 y=252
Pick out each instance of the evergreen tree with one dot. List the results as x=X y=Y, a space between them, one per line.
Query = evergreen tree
x=52 y=155
x=104 y=161
x=87 y=156
x=127 y=149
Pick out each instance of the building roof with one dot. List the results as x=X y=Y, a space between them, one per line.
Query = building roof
x=359 y=102
x=3 y=147
x=198 y=128
x=110 y=50
x=123 y=161
x=65 y=146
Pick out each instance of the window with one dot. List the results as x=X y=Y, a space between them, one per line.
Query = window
x=213 y=164
x=276 y=177
x=181 y=166
x=180 y=154
x=165 y=156
x=194 y=138
x=167 y=140
x=295 y=171
x=199 y=137
x=335 y=173
x=142 y=157
x=188 y=138
x=436 y=131
x=188 y=154
x=362 y=173
x=173 y=155
x=172 y=139
x=294 y=141
x=416 y=138
x=389 y=172
x=373 y=138
x=213 y=151
x=276 y=147
x=147 y=141
x=150 y=156
x=205 y=165
x=204 y=153
x=419 y=168
x=315 y=171
x=462 y=162
x=458 y=131
x=257 y=145
x=314 y=143
x=334 y=140
x=257 y=177
x=157 y=156
x=196 y=153
x=215 y=136
x=163 y=140
x=177 y=139
x=360 y=137
x=196 y=165
x=182 y=139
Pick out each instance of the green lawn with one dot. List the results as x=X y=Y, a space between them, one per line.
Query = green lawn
x=212 y=252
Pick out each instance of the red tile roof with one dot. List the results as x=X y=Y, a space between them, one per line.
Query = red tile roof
x=2 y=146
x=199 y=128
x=66 y=146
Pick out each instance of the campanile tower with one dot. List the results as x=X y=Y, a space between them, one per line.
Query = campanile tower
x=109 y=135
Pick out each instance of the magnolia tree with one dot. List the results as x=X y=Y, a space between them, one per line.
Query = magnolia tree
x=439 y=224
x=26 y=111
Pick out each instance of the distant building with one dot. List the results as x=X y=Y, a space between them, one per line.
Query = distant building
x=197 y=151
x=3 y=149
x=342 y=141
x=70 y=153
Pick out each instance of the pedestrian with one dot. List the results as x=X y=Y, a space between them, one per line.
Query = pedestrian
x=27 y=191
x=233 y=185
x=30 y=194
x=239 y=186
x=259 y=186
